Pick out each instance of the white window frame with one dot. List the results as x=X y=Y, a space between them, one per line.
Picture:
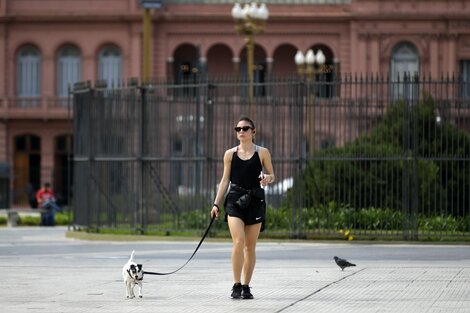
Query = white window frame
x=110 y=65
x=404 y=61
x=28 y=72
x=69 y=69
x=465 y=78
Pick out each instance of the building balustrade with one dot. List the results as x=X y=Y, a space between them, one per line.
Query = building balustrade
x=35 y=107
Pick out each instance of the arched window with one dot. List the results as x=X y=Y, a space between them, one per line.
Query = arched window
x=69 y=69
x=110 y=65
x=404 y=65
x=186 y=63
x=28 y=72
x=465 y=78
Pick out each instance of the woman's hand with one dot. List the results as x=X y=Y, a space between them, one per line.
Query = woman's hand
x=267 y=179
x=215 y=211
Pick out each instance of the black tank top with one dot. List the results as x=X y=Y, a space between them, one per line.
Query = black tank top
x=245 y=173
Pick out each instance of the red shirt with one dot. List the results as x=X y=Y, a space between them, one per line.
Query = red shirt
x=44 y=195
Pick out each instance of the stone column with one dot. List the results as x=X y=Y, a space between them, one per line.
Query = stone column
x=203 y=66
x=47 y=74
x=135 y=49
x=236 y=67
x=452 y=54
x=89 y=67
x=434 y=56
x=269 y=65
x=353 y=48
x=47 y=157
x=170 y=68
x=3 y=55
x=3 y=142
x=362 y=55
x=374 y=54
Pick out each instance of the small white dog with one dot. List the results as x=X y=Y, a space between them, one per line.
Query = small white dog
x=133 y=275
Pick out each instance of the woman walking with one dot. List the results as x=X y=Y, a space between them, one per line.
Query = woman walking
x=247 y=168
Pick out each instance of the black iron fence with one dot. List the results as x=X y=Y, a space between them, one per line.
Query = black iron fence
x=353 y=156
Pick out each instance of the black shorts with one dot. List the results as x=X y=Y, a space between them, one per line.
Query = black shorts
x=254 y=213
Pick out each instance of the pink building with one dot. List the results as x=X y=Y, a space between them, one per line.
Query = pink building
x=47 y=45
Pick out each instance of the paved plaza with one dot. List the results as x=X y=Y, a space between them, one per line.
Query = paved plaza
x=43 y=271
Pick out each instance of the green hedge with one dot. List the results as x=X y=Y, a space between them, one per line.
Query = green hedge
x=335 y=217
x=61 y=219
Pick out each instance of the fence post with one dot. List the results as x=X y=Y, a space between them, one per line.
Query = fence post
x=301 y=96
x=406 y=146
x=410 y=167
x=140 y=160
x=415 y=142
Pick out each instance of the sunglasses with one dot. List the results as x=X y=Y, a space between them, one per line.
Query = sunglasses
x=244 y=128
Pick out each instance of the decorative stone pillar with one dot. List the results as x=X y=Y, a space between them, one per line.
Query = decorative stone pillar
x=374 y=54
x=3 y=142
x=47 y=157
x=3 y=54
x=354 y=56
x=203 y=65
x=269 y=65
x=434 y=56
x=170 y=68
x=47 y=83
x=135 y=51
x=89 y=68
x=452 y=54
x=362 y=55
x=236 y=66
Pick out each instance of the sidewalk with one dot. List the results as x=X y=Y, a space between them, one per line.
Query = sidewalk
x=42 y=271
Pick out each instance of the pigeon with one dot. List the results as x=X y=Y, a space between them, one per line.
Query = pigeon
x=343 y=263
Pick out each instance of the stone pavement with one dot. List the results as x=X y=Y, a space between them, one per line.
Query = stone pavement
x=42 y=271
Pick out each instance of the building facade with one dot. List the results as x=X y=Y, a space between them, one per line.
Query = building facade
x=46 y=46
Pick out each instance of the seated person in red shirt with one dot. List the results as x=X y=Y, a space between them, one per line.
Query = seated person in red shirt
x=46 y=200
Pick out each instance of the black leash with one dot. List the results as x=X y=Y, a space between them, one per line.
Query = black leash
x=197 y=248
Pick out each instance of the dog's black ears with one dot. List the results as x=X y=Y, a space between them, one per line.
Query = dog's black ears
x=132 y=266
x=139 y=266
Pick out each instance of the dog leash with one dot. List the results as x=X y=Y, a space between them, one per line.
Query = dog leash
x=197 y=248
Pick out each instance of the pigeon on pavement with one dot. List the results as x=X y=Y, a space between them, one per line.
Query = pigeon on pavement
x=343 y=263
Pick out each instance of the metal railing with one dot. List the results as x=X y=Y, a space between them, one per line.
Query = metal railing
x=362 y=155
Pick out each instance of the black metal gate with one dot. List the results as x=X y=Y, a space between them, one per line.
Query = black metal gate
x=356 y=156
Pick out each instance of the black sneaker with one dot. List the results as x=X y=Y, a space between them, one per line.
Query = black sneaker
x=237 y=291
x=246 y=294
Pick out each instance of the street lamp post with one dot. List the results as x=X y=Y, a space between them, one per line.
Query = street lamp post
x=249 y=21
x=147 y=37
x=305 y=68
